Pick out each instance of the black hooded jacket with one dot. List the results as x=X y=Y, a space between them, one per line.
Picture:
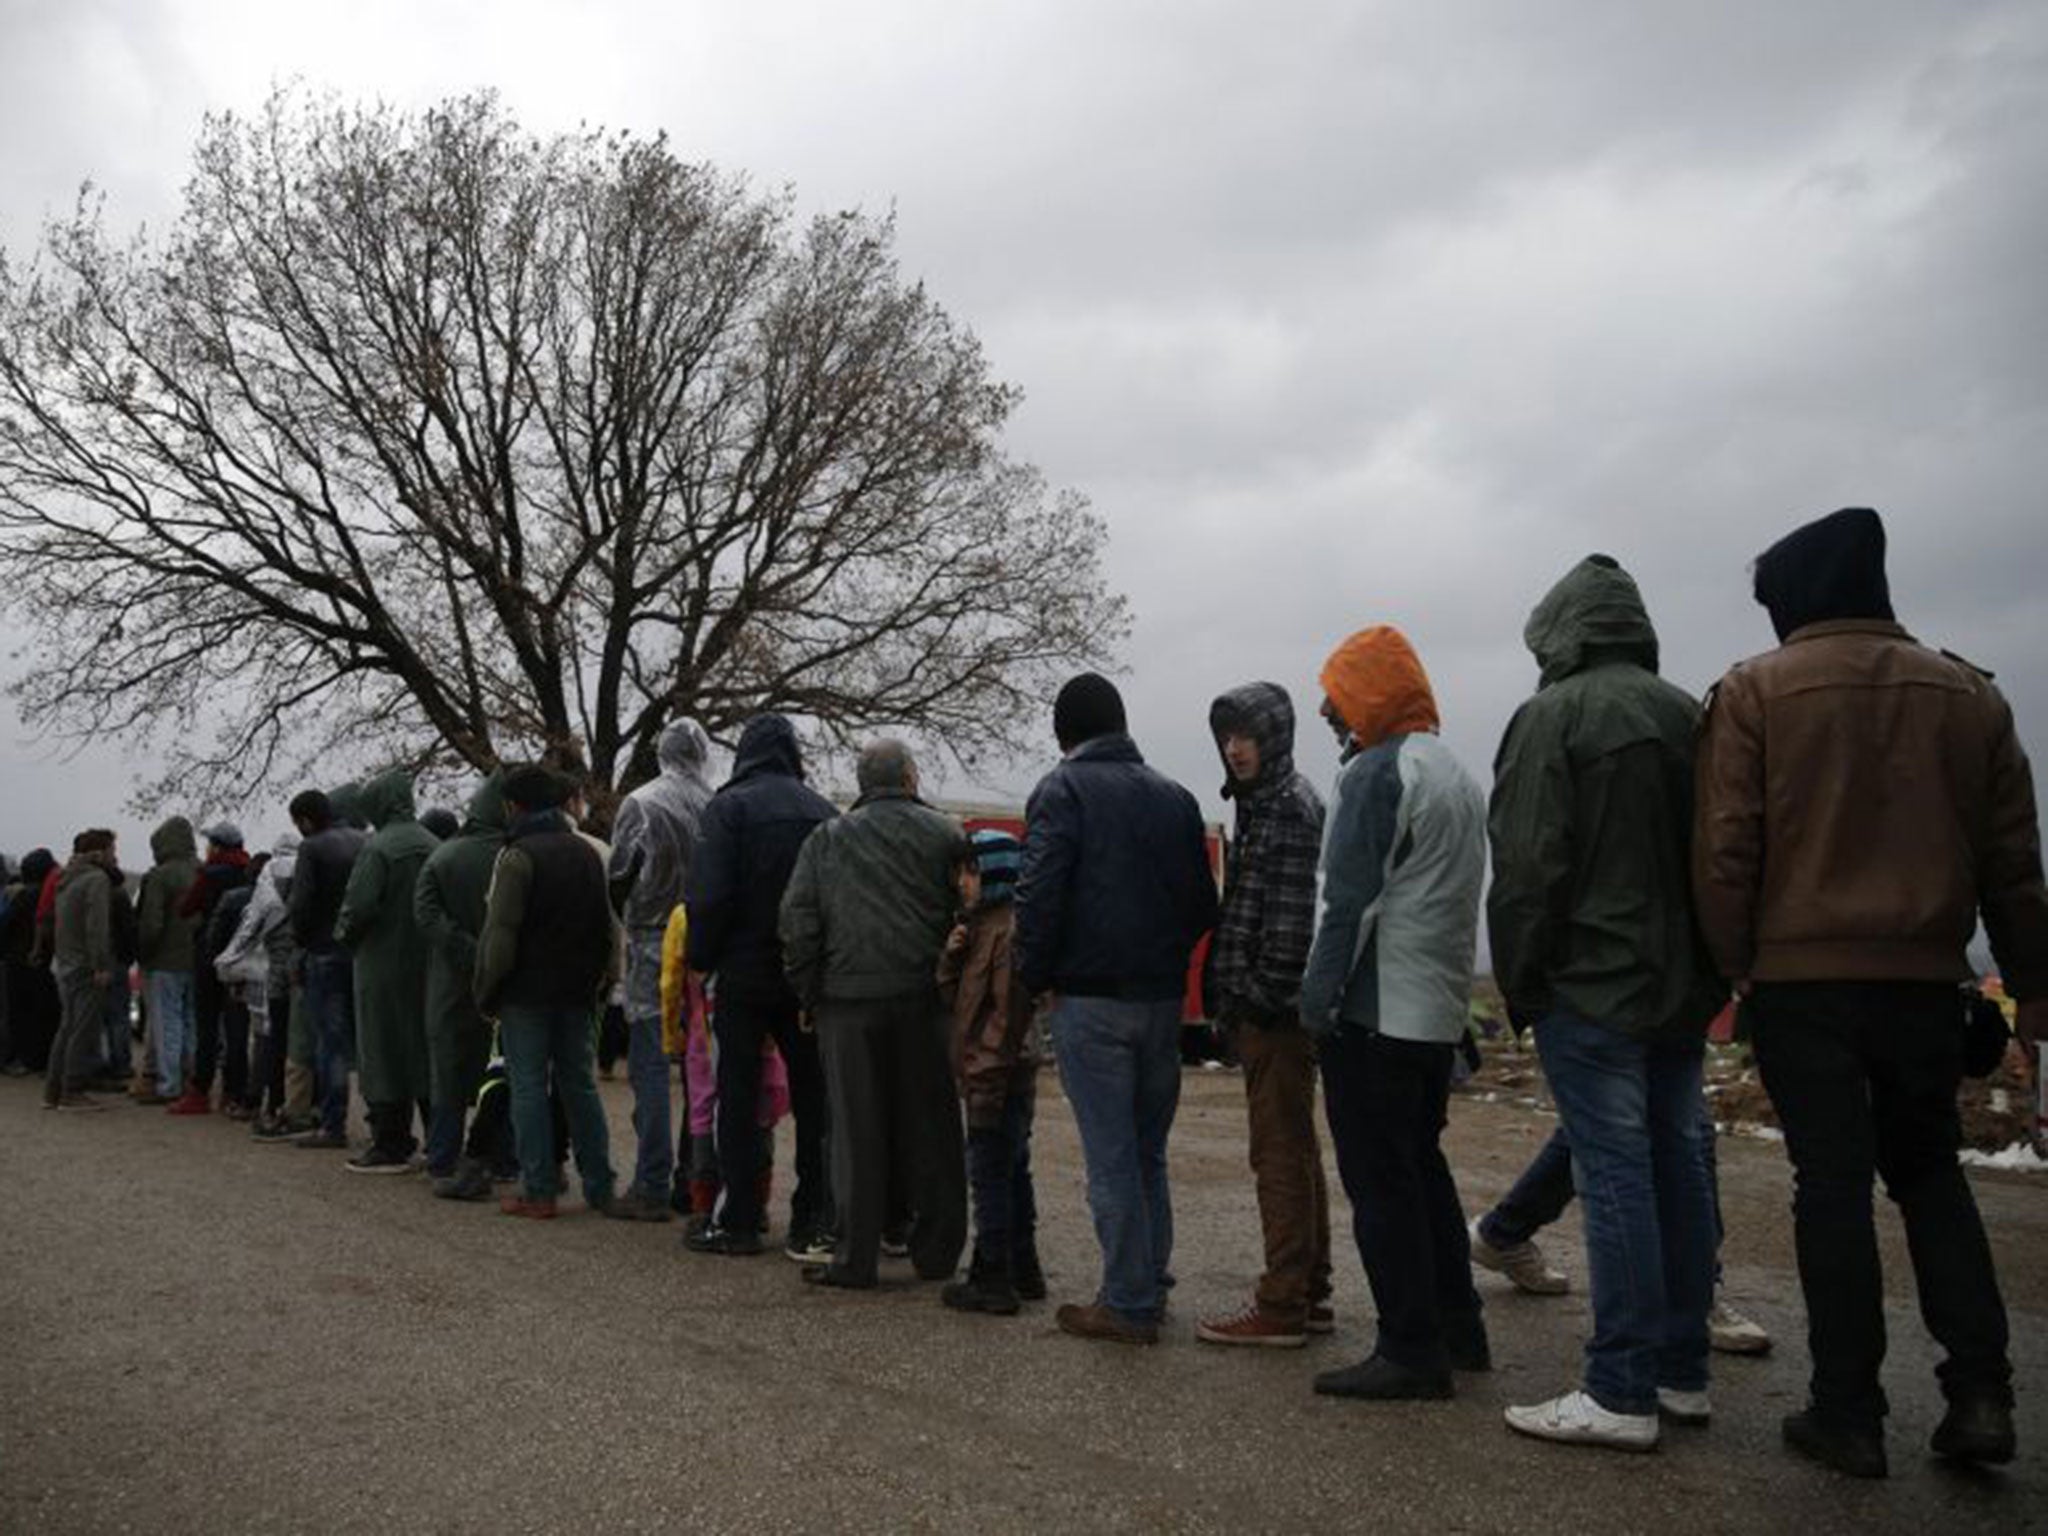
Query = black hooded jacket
x=1832 y=568
x=746 y=850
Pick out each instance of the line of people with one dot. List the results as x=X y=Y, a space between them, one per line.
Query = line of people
x=1820 y=841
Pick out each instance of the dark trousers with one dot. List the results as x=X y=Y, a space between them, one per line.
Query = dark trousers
x=740 y=1025
x=895 y=1126
x=489 y=1137
x=1387 y=1103
x=223 y=1026
x=266 y=1071
x=33 y=1011
x=71 y=1054
x=391 y=1126
x=1864 y=1076
x=999 y=1178
x=1287 y=1169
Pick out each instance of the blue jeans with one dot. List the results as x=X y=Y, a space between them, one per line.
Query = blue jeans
x=170 y=1021
x=331 y=1006
x=1120 y=1067
x=1631 y=1111
x=558 y=1044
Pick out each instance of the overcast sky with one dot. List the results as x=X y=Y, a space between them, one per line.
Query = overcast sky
x=1339 y=312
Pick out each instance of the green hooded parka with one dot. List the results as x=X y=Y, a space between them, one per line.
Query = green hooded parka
x=165 y=940
x=377 y=923
x=448 y=903
x=1591 y=907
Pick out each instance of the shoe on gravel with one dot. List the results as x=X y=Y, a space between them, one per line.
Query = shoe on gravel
x=808 y=1247
x=1380 y=1380
x=637 y=1205
x=1576 y=1419
x=1692 y=1408
x=1095 y=1321
x=896 y=1242
x=985 y=1288
x=191 y=1102
x=531 y=1210
x=1734 y=1334
x=724 y=1241
x=1853 y=1450
x=470 y=1181
x=77 y=1104
x=377 y=1160
x=1253 y=1326
x=1523 y=1264
x=317 y=1140
x=1322 y=1318
x=832 y=1277
x=1976 y=1430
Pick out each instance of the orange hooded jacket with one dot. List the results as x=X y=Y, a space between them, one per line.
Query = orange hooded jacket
x=1378 y=685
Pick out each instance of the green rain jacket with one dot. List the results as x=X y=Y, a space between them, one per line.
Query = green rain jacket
x=1591 y=908
x=448 y=903
x=165 y=940
x=378 y=926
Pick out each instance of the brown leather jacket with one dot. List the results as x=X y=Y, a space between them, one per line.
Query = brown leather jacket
x=994 y=1026
x=1861 y=798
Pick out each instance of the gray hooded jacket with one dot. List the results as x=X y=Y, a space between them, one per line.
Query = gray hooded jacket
x=655 y=832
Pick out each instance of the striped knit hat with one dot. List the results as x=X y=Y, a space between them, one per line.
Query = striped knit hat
x=997 y=855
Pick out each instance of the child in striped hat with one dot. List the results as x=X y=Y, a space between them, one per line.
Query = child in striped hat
x=998 y=1069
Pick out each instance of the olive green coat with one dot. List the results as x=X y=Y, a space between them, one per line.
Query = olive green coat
x=449 y=905
x=377 y=924
x=164 y=937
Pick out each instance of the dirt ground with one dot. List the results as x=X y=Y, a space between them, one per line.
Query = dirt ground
x=200 y=1333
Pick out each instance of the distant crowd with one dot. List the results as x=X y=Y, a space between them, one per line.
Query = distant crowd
x=1819 y=841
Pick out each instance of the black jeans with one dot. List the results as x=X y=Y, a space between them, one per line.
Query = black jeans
x=895 y=1130
x=1387 y=1104
x=740 y=1025
x=268 y=1057
x=1863 y=1076
x=999 y=1177
x=223 y=1026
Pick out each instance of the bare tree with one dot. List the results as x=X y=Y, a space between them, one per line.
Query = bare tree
x=425 y=438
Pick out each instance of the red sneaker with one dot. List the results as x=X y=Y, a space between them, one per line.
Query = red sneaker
x=191 y=1102
x=532 y=1210
x=1250 y=1325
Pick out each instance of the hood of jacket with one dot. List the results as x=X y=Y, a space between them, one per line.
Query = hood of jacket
x=1264 y=712
x=485 y=812
x=387 y=799
x=37 y=863
x=684 y=750
x=1833 y=568
x=767 y=745
x=1595 y=613
x=173 y=840
x=1378 y=685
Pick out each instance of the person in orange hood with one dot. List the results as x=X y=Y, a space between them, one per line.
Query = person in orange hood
x=1387 y=992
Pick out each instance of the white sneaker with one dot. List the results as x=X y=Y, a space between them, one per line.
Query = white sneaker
x=1575 y=1419
x=1523 y=1263
x=1684 y=1407
x=1733 y=1334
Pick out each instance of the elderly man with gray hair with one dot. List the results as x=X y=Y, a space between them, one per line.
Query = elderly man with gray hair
x=864 y=918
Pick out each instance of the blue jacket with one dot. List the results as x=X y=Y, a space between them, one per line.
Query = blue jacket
x=747 y=846
x=1116 y=888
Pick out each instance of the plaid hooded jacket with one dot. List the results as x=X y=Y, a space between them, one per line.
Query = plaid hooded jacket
x=1269 y=889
